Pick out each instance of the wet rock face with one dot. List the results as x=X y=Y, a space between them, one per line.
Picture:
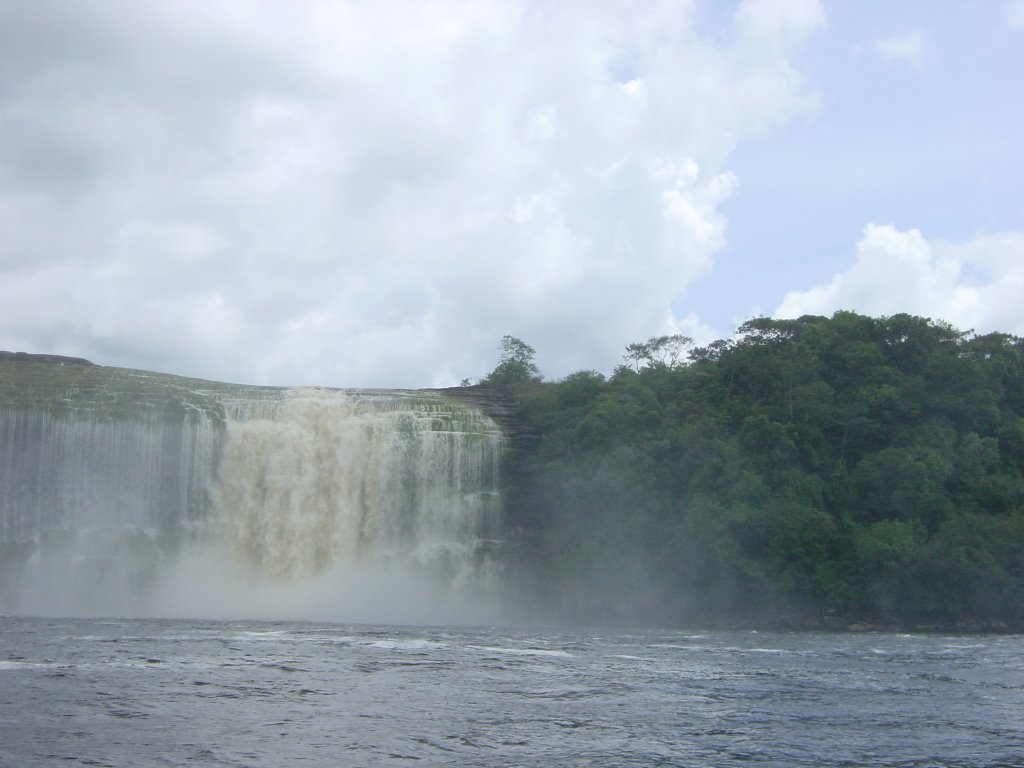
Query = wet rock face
x=521 y=436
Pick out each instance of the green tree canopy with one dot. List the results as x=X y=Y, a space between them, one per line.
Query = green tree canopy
x=516 y=365
x=667 y=351
x=864 y=468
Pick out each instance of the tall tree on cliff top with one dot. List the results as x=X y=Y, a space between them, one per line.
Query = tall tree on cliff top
x=666 y=351
x=516 y=365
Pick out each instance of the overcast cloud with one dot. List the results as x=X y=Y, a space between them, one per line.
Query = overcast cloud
x=372 y=194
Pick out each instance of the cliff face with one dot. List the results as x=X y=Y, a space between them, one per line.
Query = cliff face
x=26 y=357
x=66 y=385
x=520 y=436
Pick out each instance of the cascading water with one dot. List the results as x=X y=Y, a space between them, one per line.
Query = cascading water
x=89 y=507
x=318 y=479
x=131 y=493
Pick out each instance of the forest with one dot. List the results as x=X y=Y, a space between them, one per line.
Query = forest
x=842 y=472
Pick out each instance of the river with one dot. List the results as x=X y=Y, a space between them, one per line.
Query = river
x=140 y=692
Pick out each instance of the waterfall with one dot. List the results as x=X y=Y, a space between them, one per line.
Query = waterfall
x=325 y=477
x=141 y=494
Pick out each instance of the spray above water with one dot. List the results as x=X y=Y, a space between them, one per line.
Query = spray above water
x=246 y=502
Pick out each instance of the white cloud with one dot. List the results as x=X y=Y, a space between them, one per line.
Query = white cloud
x=1013 y=12
x=911 y=47
x=974 y=285
x=690 y=325
x=352 y=193
x=779 y=21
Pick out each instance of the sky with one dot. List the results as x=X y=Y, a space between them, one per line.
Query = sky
x=371 y=194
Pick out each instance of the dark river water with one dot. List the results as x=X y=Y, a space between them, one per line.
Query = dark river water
x=223 y=693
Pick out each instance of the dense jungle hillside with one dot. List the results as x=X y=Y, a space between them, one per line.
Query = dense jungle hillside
x=817 y=472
